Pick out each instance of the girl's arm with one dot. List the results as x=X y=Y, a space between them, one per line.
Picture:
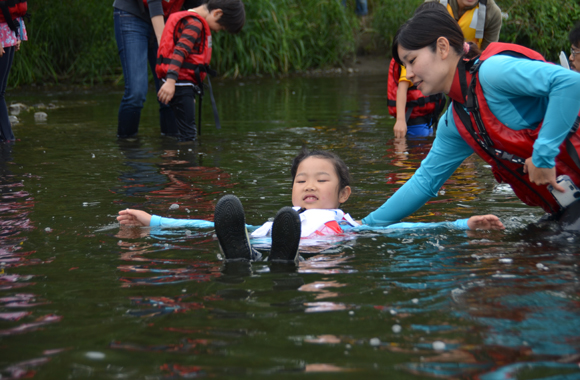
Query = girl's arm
x=138 y=218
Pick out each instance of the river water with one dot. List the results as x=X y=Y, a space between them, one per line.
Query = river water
x=82 y=298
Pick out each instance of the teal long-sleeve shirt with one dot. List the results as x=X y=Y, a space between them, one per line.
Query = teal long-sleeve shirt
x=520 y=93
x=161 y=222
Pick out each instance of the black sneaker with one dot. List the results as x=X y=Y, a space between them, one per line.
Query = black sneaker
x=285 y=236
x=230 y=228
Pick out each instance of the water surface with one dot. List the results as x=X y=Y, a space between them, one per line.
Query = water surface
x=82 y=298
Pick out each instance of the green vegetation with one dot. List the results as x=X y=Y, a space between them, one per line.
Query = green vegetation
x=73 y=41
x=542 y=25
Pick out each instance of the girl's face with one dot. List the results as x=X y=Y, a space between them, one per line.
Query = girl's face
x=316 y=185
x=429 y=70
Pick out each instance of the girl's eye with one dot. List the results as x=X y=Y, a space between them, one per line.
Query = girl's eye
x=300 y=181
x=411 y=61
x=322 y=180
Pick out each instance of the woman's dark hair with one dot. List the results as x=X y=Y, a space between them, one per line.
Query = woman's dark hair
x=339 y=165
x=431 y=21
x=234 y=14
x=575 y=35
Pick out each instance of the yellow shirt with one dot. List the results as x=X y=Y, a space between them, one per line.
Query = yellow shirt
x=468 y=24
x=403 y=77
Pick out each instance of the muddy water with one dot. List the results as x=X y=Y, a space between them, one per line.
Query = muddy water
x=82 y=298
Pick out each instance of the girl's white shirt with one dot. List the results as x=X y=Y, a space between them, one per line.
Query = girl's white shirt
x=312 y=221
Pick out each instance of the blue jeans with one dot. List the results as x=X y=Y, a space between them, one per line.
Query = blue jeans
x=6 y=133
x=137 y=47
x=361 y=7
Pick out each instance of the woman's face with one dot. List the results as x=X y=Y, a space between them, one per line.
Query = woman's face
x=428 y=70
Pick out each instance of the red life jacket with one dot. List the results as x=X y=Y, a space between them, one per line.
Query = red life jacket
x=503 y=148
x=420 y=109
x=196 y=64
x=16 y=8
x=169 y=6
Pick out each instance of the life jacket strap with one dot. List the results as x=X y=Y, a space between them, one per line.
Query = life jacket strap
x=496 y=154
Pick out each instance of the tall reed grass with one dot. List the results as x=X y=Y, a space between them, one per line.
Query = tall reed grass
x=73 y=41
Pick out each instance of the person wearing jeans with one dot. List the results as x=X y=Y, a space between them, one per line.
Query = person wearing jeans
x=137 y=31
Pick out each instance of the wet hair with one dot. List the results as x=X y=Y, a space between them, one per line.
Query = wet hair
x=339 y=165
x=234 y=14
x=431 y=21
x=574 y=36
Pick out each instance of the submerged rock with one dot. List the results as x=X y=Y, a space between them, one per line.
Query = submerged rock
x=40 y=116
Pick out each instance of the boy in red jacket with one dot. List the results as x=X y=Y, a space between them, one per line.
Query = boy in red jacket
x=185 y=52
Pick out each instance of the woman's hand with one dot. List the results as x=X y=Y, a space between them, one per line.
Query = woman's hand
x=485 y=222
x=130 y=217
x=542 y=176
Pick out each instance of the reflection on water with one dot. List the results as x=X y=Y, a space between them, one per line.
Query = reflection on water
x=82 y=298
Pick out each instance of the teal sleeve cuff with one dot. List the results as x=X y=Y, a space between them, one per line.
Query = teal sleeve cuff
x=155 y=221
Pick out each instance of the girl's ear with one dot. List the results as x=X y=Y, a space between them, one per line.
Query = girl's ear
x=344 y=194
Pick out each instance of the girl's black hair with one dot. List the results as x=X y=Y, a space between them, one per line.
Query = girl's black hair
x=339 y=165
x=431 y=21
x=234 y=14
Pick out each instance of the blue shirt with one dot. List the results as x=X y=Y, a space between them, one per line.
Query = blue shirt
x=158 y=221
x=520 y=93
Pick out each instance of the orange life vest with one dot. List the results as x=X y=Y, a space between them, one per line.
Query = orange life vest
x=196 y=64
x=420 y=109
x=503 y=148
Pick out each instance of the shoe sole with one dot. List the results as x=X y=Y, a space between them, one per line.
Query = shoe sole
x=230 y=228
x=285 y=235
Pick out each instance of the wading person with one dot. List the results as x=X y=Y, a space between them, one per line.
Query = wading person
x=138 y=28
x=12 y=33
x=185 y=53
x=517 y=112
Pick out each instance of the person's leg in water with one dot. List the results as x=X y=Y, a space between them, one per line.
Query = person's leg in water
x=183 y=106
x=132 y=35
x=285 y=236
x=233 y=238
x=6 y=133
x=167 y=118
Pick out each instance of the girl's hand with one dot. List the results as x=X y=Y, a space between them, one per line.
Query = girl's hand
x=17 y=45
x=542 y=176
x=130 y=217
x=1 y=51
x=485 y=222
